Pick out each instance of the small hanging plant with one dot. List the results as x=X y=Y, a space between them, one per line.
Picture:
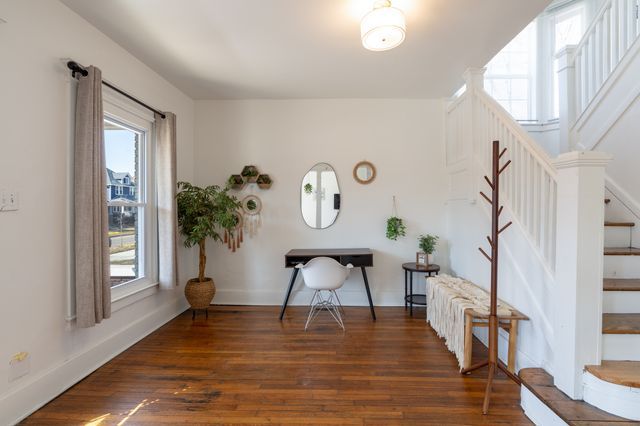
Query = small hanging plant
x=395 y=228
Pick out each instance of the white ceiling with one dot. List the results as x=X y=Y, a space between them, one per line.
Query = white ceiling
x=239 y=49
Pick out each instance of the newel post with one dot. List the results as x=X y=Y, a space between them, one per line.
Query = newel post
x=566 y=95
x=579 y=263
x=474 y=79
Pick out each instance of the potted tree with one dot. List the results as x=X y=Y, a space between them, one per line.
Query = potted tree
x=202 y=214
x=427 y=244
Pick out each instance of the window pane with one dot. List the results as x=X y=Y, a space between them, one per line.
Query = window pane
x=510 y=74
x=125 y=230
x=568 y=29
x=121 y=153
x=519 y=89
x=124 y=234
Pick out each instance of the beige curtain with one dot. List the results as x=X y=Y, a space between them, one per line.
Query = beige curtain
x=93 y=290
x=167 y=211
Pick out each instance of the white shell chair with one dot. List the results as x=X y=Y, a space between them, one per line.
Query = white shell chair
x=324 y=274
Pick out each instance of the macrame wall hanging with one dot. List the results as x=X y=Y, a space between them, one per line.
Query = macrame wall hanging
x=234 y=238
x=251 y=207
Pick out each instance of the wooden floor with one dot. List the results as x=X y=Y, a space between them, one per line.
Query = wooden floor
x=243 y=366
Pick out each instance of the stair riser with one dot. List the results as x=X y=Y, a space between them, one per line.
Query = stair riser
x=621 y=302
x=615 y=236
x=621 y=347
x=619 y=400
x=622 y=266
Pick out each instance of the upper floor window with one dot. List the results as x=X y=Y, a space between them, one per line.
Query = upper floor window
x=510 y=76
x=567 y=26
x=523 y=77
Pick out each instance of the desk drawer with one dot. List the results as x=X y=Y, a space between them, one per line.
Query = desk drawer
x=357 y=260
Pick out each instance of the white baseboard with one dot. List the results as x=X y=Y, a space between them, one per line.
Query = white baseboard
x=301 y=296
x=33 y=394
x=537 y=411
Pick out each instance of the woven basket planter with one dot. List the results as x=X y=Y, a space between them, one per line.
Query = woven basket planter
x=200 y=294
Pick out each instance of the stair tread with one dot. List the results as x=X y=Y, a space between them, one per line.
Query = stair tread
x=621 y=323
x=621 y=224
x=624 y=373
x=621 y=284
x=621 y=251
x=573 y=412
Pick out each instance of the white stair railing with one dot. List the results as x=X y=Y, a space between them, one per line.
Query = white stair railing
x=529 y=186
x=611 y=34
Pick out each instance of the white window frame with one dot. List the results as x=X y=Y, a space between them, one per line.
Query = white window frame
x=531 y=77
x=122 y=111
x=547 y=52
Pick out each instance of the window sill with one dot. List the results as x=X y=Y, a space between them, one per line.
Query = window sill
x=127 y=294
x=538 y=126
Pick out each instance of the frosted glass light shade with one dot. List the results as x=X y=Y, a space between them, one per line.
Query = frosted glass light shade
x=383 y=28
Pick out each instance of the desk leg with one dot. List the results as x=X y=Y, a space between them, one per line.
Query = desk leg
x=294 y=274
x=366 y=286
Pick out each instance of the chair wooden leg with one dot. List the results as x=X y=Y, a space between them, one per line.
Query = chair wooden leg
x=513 y=340
x=468 y=340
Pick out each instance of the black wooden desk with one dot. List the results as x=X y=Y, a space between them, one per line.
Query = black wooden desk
x=359 y=257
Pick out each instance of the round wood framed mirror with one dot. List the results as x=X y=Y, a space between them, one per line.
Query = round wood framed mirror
x=364 y=172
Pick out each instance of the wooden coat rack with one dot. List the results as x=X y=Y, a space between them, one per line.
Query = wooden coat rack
x=493 y=362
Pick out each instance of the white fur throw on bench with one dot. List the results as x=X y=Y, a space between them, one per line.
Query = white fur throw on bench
x=447 y=300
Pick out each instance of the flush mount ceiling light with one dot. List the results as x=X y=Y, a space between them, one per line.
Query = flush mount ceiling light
x=383 y=28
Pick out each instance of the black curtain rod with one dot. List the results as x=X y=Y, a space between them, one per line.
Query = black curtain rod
x=77 y=68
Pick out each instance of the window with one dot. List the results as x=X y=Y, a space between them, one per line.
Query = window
x=129 y=154
x=567 y=27
x=510 y=76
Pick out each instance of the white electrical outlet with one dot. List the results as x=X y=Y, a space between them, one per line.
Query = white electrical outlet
x=8 y=201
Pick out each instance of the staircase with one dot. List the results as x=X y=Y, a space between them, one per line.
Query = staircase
x=585 y=311
x=621 y=302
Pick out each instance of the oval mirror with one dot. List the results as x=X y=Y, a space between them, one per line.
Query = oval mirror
x=320 y=196
x=364 y=172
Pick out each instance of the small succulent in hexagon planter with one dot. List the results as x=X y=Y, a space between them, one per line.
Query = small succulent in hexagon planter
x=236 y=182
x=250 y=174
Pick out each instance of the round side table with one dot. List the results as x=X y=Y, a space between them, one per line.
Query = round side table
x=409 y=297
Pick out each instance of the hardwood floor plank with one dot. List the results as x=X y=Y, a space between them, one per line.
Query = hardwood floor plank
x=244 y=366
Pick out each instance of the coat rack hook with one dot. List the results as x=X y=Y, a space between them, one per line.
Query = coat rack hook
x=504 y=167
x=485 y=254
x=485 y=197
x=505 y=227
x=489 y=182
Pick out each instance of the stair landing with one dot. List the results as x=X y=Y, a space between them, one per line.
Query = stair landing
x=623 y=373
x=540 y=383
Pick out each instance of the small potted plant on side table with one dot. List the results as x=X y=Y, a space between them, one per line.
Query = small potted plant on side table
x=427 y=244
x=202 y=213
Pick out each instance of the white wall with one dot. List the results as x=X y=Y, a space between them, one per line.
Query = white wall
x=285 y=138
x=34 y=117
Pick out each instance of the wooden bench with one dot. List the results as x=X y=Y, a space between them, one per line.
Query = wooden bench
x=470 y=301
x=473 y=318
